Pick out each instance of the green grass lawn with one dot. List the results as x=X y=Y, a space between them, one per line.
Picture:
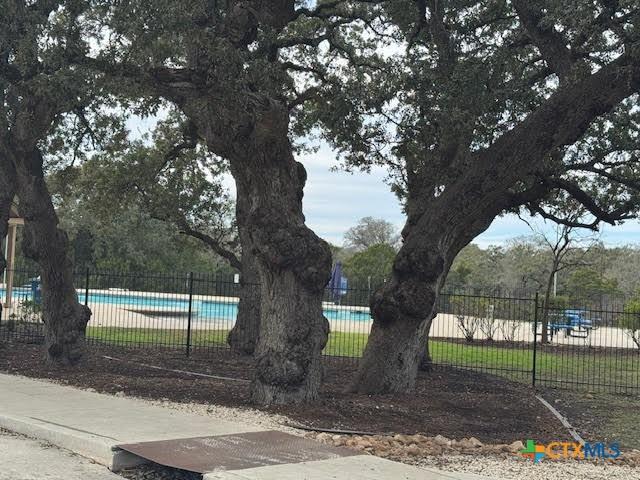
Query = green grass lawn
x=595 y=370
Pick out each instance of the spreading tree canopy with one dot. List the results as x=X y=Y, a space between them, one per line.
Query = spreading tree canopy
x=240 y=71
x=484 y=108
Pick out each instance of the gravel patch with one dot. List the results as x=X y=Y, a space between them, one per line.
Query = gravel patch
x=469 y=455
x=514 y=468
x=247 y=416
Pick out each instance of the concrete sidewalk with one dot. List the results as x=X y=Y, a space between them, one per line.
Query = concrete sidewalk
x=93 y=425
x=25 y=459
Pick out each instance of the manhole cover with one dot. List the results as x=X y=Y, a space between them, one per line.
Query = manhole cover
x=235 y=452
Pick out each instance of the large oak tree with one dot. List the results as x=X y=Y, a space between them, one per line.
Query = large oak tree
x=39 y=86
x=489 y=107
x=238 y=69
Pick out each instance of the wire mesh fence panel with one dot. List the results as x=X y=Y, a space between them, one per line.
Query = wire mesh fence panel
x=591 y=343
x=350 y=322
x=21 y=314
x=591 y=346
x=484 y=332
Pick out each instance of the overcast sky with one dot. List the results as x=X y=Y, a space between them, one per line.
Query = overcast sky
x=335 y=200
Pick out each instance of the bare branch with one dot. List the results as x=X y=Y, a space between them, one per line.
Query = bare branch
x=589 y=203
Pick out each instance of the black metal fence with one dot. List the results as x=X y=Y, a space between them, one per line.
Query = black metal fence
x=592 y=343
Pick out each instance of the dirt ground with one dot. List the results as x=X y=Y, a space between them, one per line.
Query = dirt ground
x=452 y=403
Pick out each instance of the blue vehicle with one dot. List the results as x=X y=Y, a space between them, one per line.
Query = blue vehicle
x=574 y=322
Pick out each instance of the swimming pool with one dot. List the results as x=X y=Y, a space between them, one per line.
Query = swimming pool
x=202 y=309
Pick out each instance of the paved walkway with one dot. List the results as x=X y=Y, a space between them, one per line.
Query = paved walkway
x=93 y=425
x=25 y=459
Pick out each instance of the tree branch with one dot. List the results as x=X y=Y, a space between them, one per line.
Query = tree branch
x=212 y=243
x=588 y=202
x=537 y=209
x=565 y=116
x=550 y=42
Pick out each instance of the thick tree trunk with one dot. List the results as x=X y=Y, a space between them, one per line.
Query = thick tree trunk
x=64 y=317
x=396 y=349
x=6 y=198
x=426 y=361
x=392 y=357
x=243 y=337
x=294 y=265
x=404 y=308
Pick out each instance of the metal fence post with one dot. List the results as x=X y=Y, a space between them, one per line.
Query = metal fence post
x=86 y=288
x=535 y=342
x=190 y=313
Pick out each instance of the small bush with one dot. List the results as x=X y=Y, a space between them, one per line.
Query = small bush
x=30 y=312
x=467 y=311
x=630 y=321
x=510 y=330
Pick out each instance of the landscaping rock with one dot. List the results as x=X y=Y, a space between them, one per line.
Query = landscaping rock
x=515 y=447
x=442 y=441
x=324 y=437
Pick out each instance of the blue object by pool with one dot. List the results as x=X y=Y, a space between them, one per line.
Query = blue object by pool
x=338 y=283
x=36 y=291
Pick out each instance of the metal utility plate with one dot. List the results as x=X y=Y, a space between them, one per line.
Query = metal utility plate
x=235 y=452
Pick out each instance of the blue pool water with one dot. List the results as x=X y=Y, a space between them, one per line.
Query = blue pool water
x=204 y=309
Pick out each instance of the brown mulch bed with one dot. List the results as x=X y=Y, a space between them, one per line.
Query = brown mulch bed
x=452 y=403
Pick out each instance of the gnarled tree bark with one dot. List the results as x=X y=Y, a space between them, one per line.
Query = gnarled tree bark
x=294 y=265
x=250 y=129
x=404 y=308
x=64 y=317
x=439 y=226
